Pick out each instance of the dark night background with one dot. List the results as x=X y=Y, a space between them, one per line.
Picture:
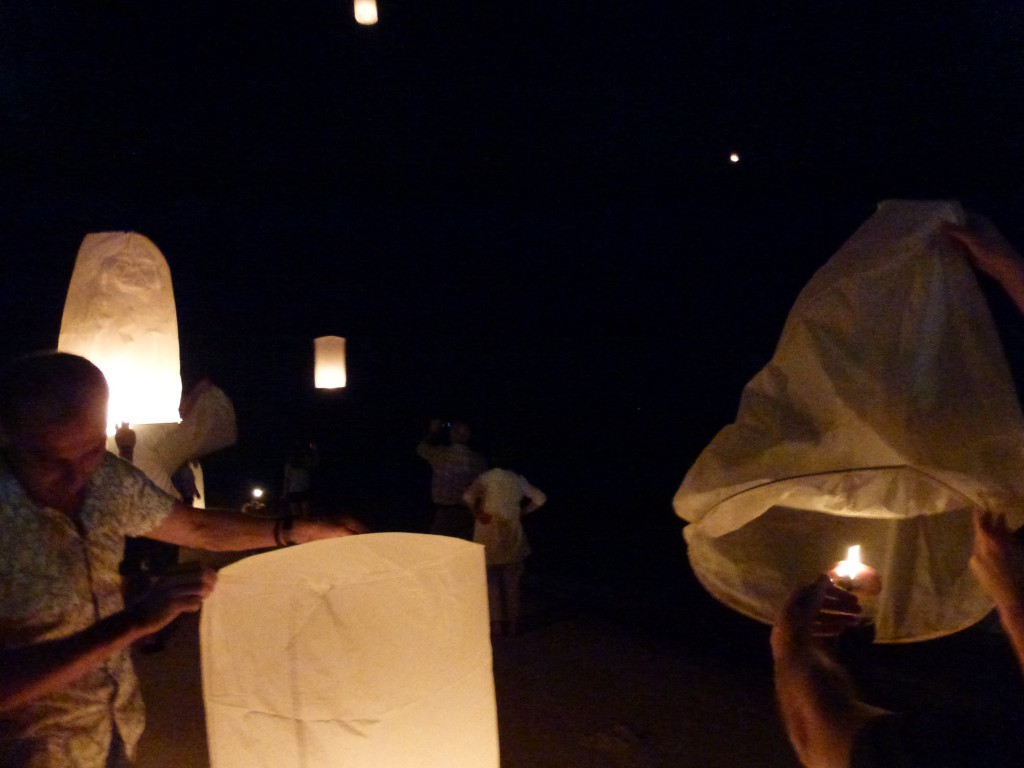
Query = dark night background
x=522 y=213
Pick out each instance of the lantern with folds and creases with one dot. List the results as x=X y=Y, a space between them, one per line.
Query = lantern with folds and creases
x=120 y=314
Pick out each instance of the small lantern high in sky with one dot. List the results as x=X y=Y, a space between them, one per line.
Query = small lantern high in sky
x=329 y=371
x=120 y=314
x=366 y=11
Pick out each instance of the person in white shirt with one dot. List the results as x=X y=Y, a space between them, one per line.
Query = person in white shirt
x=498 y=499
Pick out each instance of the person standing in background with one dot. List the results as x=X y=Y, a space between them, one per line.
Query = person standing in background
x=499 y=498
x=455 y=465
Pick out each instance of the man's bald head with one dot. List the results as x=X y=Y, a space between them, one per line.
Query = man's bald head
x=48 y=389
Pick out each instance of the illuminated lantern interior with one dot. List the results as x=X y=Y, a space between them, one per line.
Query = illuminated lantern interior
x=120 y=314
x=364 y=651
x=366 y=11
x=886 y=416
x=329 y=371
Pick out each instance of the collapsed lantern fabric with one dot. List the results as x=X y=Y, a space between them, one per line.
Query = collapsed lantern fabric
x=161 y=449
x=120 y=314
x=886 y=415
x=370 y=650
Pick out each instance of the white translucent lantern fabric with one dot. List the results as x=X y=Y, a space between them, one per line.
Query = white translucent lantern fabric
x=120 y=314
x=886 y=414
x=365 y=651
x=209 y=426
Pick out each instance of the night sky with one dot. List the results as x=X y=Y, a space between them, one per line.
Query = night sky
x=520 y=212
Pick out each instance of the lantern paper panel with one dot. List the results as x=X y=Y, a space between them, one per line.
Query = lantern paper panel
x=370 y=650
x=886 y=415
x=329 y=371
x=120 y=314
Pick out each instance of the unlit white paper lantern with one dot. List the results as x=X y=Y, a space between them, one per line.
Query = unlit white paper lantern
x=364 y=652
x=329 y=371
x=120 y=314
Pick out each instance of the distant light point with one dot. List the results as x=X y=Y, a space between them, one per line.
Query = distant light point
x=734 y=157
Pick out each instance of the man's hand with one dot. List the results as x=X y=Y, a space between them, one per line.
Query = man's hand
x=315 y=530
x=172 y=595
x=998 y=560
x=819 y=706
x=817 y=610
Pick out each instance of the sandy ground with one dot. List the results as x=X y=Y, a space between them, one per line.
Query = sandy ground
x=626 y=681
x=573 y=692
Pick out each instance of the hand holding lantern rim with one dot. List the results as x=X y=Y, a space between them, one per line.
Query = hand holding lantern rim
x=997 y=559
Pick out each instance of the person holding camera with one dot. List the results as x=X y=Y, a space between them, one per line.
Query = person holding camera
x=455 y=466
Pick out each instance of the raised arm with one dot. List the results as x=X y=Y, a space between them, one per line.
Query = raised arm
x=992 y=253
x=998 y=562
x=819 y=707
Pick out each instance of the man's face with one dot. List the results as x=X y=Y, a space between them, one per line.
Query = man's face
x=54 y=463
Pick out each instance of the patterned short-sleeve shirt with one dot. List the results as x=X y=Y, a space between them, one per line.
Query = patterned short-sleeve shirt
x=59 y=576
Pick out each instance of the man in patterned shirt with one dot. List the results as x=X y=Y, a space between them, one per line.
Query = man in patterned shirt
x=68 y=695
x=455 y=466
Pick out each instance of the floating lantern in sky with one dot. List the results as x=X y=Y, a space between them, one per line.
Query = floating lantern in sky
x=366 y=11
x=734 y=157
x=364 y=651
x=886 y=416
x=329 y=371
x=120 y=314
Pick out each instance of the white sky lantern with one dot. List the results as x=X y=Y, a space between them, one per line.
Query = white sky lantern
x=120 y=314
x=885 y=417
x=329 y=371
x=366 y=11
x=365 y=651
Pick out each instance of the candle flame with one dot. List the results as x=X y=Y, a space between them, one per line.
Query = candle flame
x=851 y=567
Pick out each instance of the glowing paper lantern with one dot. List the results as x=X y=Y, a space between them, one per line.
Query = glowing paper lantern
x=886 y=415
x=120 y=314
x=329 y=371
x=365 y=651
x=366 y=11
